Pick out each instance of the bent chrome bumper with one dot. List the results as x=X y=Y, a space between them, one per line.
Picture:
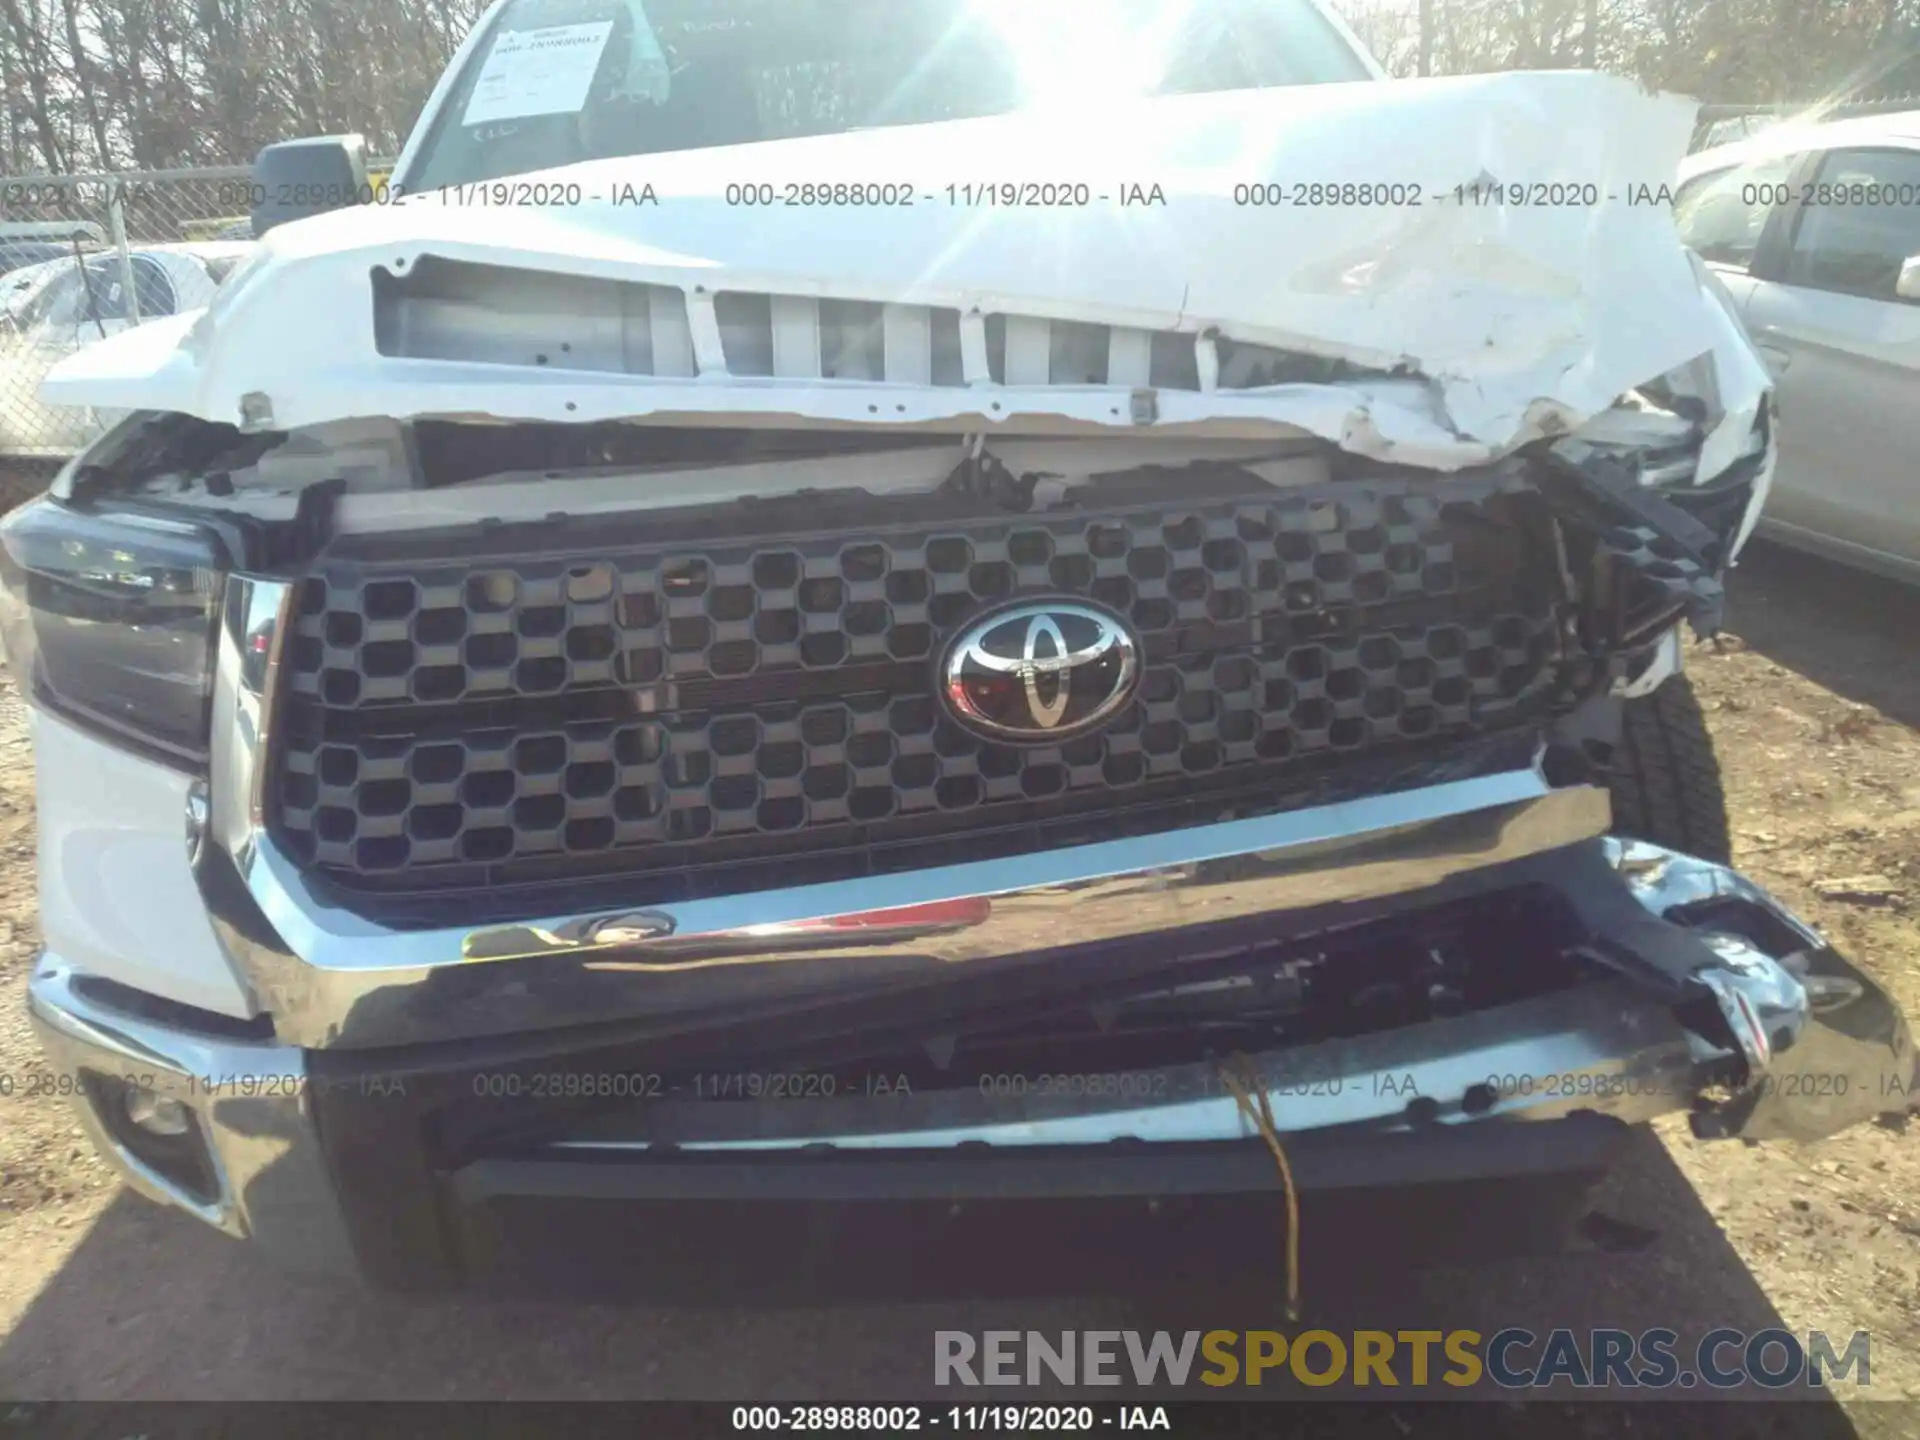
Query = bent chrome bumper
x=1808 y=1045
x=333 y=978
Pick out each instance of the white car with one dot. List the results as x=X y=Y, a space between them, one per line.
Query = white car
x=50 y=310
x=1815 y=230
x=825 y=569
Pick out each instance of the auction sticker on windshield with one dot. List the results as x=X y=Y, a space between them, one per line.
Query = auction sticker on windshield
x=537 y=72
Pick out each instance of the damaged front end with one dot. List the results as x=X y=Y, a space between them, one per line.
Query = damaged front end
x=1495 y=1037
x=607 y=785
x=1611 y=978
x=526 y=792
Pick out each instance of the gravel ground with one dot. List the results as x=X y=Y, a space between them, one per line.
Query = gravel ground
x=1814 y=707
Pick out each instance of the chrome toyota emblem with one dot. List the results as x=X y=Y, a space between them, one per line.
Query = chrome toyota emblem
x=1040 y=670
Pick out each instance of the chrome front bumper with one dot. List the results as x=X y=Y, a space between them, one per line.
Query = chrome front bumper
x=1813 y=1044
x=337 y=980
x=250 y=1107
x=331 y=978
x=1823 y=1048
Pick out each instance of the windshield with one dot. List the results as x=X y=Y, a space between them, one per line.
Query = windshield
x=559 y=81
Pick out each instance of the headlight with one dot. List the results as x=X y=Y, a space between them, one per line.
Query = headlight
x=109 y=619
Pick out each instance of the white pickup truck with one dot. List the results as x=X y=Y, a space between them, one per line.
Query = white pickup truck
x=828 y=610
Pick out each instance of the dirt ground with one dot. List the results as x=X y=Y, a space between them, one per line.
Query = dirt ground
x=1814 y=699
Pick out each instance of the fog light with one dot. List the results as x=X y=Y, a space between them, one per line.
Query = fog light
x=156 y=1114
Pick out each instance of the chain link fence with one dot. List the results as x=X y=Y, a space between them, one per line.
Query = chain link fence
x=83 y=257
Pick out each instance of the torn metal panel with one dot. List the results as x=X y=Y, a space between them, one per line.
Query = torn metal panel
x=1457 y=330
x=1824 y=1046
x=1804 y=1045
x=1653 y=562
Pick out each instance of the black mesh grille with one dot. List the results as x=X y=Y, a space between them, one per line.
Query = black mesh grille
x=692 y=703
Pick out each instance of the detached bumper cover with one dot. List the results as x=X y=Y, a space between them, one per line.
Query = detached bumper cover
x=321 y=1157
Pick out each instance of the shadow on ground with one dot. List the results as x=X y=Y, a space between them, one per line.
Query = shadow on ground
x=152 y=1306
x=1833 y=624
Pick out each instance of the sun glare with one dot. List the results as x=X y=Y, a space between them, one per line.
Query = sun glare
x=1071 y=51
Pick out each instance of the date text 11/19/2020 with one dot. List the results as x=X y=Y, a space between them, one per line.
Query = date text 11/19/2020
x=961 y=1419
x=971 y=194
x=1067 y=194
x=1146 y=1086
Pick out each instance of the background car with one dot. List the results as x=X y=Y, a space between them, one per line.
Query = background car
x=33 y=242
x=1735 y=127
x=1815 y=231
x=49 y=310
x=20 y=254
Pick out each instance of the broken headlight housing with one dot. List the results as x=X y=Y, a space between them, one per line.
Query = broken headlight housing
x=109 y=619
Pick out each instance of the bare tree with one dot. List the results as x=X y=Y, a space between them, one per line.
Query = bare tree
x=99 y=84
x=33 y=72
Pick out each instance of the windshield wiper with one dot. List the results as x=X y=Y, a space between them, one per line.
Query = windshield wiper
x=86 y=283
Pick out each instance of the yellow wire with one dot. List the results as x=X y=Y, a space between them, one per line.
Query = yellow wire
x=1262 y=1120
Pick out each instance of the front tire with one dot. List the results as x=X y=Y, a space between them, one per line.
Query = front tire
x=1666 y=778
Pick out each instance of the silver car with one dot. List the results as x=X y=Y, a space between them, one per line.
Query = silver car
x=50 y=310
x=1815 y=229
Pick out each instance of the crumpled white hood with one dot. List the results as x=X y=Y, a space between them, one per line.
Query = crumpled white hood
x=1513 y=320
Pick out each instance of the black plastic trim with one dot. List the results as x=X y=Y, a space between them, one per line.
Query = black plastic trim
x=1437 y=1155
